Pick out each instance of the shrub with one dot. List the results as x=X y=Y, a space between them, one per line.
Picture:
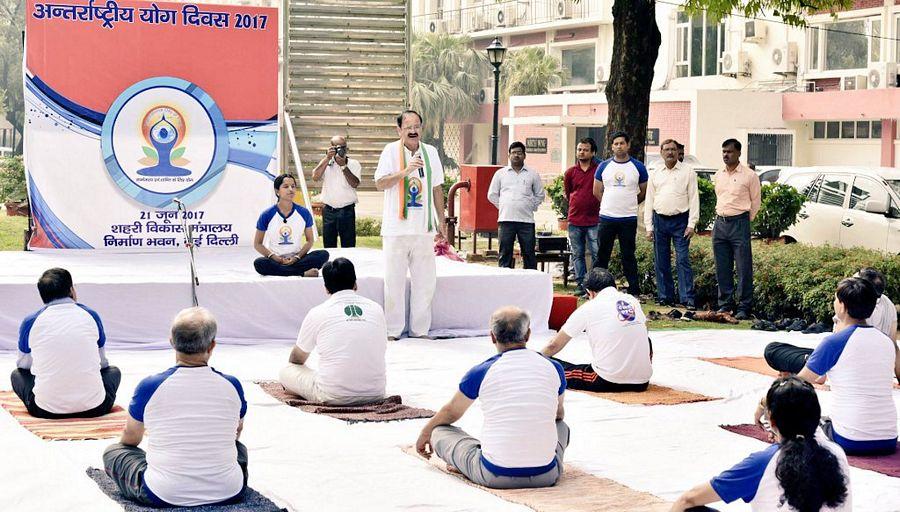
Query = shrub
x=557 y=193
x=778 y=210
x=707 y=203
x=368 y=226
x=12 y=179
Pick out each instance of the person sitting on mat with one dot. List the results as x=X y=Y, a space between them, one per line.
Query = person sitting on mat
x=278 y=236
x=523 y=437
x=62 y=371
x=193 y=416
x=802 y=471
x=350 y=334
x=859 y=362
x=617 y=331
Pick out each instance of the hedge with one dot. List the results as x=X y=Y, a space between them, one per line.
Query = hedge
x=792 y=280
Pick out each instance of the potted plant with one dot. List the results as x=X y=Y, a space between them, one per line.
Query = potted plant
x=13 y=191
x=558 y=201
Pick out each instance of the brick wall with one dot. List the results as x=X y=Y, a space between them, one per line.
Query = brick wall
x=546 y=164
x=673 y=120
x=862 y=4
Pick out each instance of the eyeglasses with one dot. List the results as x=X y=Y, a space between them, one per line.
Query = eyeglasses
x=412 y=128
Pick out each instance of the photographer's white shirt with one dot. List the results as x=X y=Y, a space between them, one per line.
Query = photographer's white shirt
x=336 y=192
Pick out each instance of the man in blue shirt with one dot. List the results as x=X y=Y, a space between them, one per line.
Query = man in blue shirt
x=523 y=437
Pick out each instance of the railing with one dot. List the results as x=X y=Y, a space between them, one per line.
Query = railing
x=491 y=15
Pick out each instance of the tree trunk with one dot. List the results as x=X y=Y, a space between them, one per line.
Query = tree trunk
x=636 y=41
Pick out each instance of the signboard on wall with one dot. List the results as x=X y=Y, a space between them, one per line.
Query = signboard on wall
x=536 y=145
x=135 y=107
x=652 y=137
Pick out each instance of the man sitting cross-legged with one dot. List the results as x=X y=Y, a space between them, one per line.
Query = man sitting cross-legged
x=617 y=331
x=62 y=371
x=350 y=334
x=193 y=416
x=523 y=437
x=858 y=360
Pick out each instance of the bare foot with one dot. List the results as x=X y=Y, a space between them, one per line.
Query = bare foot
x=313 y=272
x=452 y=469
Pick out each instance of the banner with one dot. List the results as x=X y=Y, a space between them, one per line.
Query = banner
x=133 y=108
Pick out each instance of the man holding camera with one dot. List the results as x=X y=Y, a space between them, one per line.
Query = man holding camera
x=341 y=176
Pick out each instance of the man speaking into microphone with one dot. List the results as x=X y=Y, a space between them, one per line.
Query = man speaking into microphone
x=410 y=174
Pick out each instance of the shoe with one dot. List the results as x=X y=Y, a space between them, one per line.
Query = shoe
x=674 y=314
x=689 y=315
x=725 y=309
x=690 y=306
x=797 y=325
x=665 y=303
x=783 y=324
x=654 y=315
x=763 y=325
x=816 y=328
x=742 y=315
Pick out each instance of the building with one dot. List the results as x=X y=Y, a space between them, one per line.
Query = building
x=820 y=95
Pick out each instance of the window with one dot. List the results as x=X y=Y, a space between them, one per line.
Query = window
x=770 y=148
x=804 y=184
x=846 y=44
x=579 y=66
x=833 y=190
x=865 y=190
x=846 y=130
x=699 y=45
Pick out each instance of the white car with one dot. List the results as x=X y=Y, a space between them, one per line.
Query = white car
x=847 y=206
x=652 y=160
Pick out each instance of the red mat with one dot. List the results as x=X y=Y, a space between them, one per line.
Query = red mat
x=70 y=429
x=756 y=365
x=885 y=464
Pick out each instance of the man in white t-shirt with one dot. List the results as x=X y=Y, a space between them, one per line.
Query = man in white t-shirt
x=411 y=175
x=349 y=332
x=62 y=371
x=620 y=183
x=193 y=416
x=617 y=331
x=341 y=174
x=524 y=437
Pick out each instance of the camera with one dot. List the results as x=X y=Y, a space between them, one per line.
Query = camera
x=340 y=151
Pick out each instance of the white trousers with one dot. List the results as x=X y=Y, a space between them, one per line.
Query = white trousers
x=300 y=380
x=413 y=253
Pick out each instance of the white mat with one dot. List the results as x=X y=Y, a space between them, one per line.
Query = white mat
x=137 y=294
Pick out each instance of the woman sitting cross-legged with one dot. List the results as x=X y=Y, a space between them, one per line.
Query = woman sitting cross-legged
x=803 y=472
x=278 y=236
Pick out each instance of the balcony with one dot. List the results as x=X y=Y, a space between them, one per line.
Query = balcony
x=487 y=17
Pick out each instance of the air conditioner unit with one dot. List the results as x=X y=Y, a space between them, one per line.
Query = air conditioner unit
x=505 y=15
x=755 y=31
x=600 y=75
x=784 y=58
x=436 y=26
x=563 y=10
x=486 y=95
x=735 y=63
x=881 y=75
x=854 y=82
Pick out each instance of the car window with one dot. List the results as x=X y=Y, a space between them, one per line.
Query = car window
x=865 y=190
x=804 y=184
x=833 y=190
x=770 y=176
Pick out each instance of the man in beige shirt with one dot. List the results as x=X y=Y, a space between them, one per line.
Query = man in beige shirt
x=737 y=203
x=671 y=210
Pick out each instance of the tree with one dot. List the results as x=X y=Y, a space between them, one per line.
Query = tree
x=12 y=24
x=636 y=41
x=448 y=74
x=530 y=71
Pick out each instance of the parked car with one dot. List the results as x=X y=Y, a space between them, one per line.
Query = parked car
x=655 y=159
x=847 y=206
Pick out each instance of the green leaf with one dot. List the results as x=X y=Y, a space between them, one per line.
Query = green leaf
x=178 y=152
x=150 y=152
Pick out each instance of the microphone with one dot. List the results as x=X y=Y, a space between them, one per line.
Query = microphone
x=178 y=202
x=419 y=155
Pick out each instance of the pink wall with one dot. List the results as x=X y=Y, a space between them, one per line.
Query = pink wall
x=841 y=105
x=888 y=134
x=542 y=163
x=576 y=34
x=527 y=39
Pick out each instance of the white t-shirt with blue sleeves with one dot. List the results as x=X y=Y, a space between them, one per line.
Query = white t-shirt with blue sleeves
x=859 y=362
x=753 y=480
x=64 y=340
x=284 y=235
x=519 y=391
x=191 y=414
x=621 y=185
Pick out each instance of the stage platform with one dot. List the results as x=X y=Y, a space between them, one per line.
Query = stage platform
x=137 y=294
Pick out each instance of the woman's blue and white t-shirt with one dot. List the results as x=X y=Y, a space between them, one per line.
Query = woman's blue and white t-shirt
x=753 y=480
x=191 y=414
x=859 y=362
x=284 y=235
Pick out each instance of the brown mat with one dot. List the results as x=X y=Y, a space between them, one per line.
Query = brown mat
x=756 y=365
x=70 y=429
x=655 y=395
x=388 y=409
x=575 y=491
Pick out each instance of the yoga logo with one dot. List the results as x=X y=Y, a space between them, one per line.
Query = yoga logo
x=414 y=193
x=353 y=311
x=284 y=233
x=620 y=179
x=164 y=138
x=626 y=311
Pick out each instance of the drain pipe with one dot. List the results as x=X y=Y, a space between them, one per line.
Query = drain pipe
x=451 y=209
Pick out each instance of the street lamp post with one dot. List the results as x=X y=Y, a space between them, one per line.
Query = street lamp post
x=496 y=52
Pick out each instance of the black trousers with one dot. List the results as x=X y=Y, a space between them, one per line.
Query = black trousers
x=313 y=259
x=339 y=222
x=785 y=357
x=23 y=385
x=583 y=377
x=625 y=231
x=731 y=247
x=508 y=233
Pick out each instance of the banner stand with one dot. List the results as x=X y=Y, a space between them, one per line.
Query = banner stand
x=298 y=168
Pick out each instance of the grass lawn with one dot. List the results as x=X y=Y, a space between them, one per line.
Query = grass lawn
x=11 y=229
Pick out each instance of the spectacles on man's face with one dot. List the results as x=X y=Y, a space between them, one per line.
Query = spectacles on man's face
x=414 y=128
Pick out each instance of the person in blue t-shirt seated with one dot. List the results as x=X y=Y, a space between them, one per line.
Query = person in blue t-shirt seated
x=193 y=416
x=523 y=436
x=62 y=371
x=280 y=232
x=859 y=362
x=802 y=471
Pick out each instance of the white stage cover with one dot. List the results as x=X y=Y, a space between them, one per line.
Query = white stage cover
x=137 y=294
